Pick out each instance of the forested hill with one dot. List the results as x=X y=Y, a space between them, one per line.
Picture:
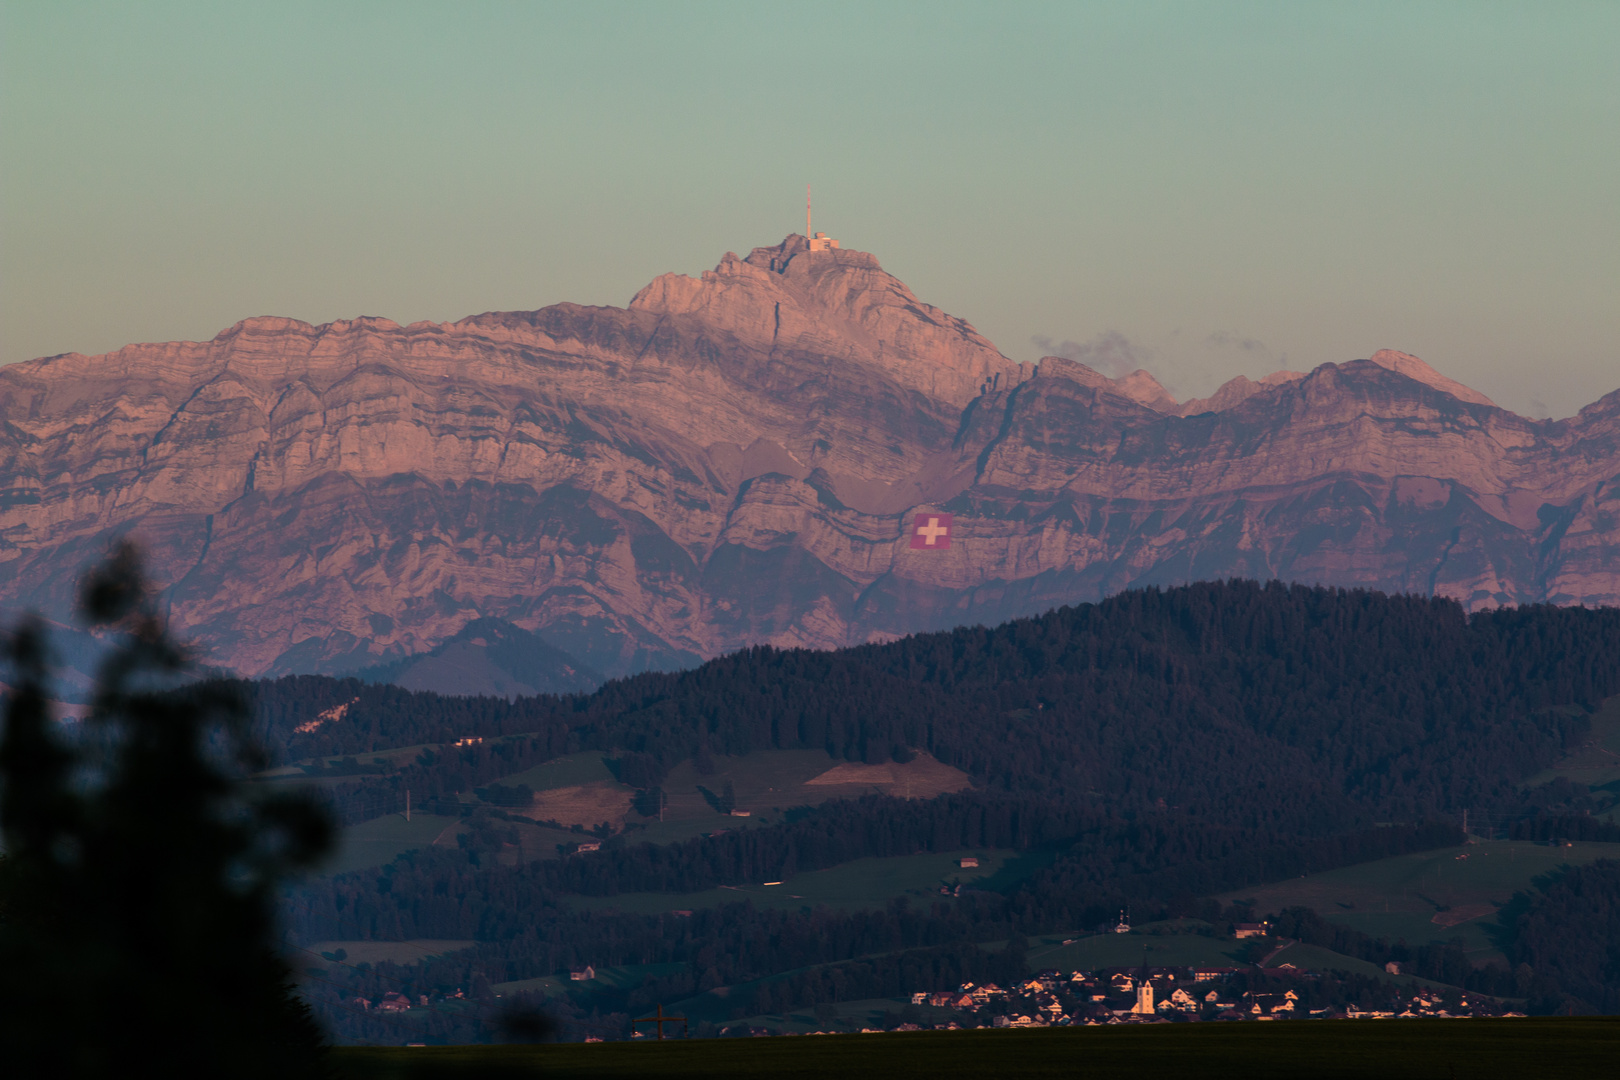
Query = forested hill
x=1323 y=708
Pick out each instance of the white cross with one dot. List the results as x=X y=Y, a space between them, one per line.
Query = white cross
x=932 y=531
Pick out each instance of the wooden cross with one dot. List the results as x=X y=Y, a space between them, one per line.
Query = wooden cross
x=660 y=1019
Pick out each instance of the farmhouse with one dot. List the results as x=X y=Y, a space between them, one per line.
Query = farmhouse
x=584 y=974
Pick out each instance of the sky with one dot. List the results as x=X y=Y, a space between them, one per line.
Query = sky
x=1203 y=190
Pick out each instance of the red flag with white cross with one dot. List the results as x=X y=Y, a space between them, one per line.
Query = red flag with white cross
x=931 y=532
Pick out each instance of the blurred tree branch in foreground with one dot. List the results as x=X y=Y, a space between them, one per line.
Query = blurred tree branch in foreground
x=137 y=924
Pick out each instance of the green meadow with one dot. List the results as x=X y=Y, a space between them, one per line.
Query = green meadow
x=861 y=883
x=765 y=784
x=1431 y=895
x=380 y=840
x=378 y=952
x=1331 y=1050
x=1596 y=763
x=623 y=977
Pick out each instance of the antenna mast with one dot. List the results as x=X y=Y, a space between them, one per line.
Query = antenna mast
x=807 y=233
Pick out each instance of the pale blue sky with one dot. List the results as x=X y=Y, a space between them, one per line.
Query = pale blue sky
x=1222 y=187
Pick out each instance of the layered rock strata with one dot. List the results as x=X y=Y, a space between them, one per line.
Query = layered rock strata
x=735 y=459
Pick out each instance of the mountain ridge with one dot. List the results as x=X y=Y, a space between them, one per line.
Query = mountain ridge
x=731 y=459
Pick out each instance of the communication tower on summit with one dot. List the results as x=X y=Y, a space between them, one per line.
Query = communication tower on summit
x=819 y=241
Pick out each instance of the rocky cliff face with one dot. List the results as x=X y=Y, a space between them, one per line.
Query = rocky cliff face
x=737 y=459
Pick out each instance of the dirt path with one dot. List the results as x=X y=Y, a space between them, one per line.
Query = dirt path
x=1265 y=961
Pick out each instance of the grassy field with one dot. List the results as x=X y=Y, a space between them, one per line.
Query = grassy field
x=862 y=883
x=1403 y=896
x=378 y=841
x=1123 y=950
x=563 y=772
x=1596 y=763
x=623 y=977
x=580 y=789
x=399 y=755
x=848 y=1016
x=1391 y=1050
x=377 y=952
x=765 y=784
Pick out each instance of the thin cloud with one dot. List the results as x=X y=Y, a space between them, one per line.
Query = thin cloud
x=1230 y=341
x=1226 y=339
x=1110 y=352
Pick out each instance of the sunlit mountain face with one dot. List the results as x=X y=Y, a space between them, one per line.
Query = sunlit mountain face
x=742 y=458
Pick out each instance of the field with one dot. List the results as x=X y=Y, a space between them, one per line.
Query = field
x=571 y=771
x=378 y=841
x=377 y=952
x=1430 y=895
x=1597 y=763
x=629 y=975
x=583 y=804
x=580 y=790
x=399 y=755
x=764 y=783
x=1088 y=953
x=861 y=883
x=1392 y=1050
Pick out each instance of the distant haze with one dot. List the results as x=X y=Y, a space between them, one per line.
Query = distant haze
x=1201 y=190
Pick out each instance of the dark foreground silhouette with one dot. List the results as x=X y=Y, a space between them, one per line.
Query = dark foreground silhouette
x=136 y=913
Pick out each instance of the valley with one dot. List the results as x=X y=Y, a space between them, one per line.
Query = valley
x=837 y=828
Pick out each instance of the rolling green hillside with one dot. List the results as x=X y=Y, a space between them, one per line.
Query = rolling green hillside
x=1177 y=752
x=1431 y=895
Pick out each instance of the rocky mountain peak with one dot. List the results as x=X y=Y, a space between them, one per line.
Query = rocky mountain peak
x=1139 y=386
x=839 y=303
x=1413 y=368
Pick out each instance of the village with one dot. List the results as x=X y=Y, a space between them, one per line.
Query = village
x=1163 y=995
x=1159 y=995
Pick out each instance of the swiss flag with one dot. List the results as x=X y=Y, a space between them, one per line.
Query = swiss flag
x=931 y=532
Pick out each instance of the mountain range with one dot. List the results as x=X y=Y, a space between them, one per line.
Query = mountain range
x=536 y=500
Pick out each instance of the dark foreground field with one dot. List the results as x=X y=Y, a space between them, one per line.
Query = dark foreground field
x=1388 y=1050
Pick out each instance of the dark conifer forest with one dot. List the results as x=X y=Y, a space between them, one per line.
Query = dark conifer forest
x=1157 y=748
x=1319 y=710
